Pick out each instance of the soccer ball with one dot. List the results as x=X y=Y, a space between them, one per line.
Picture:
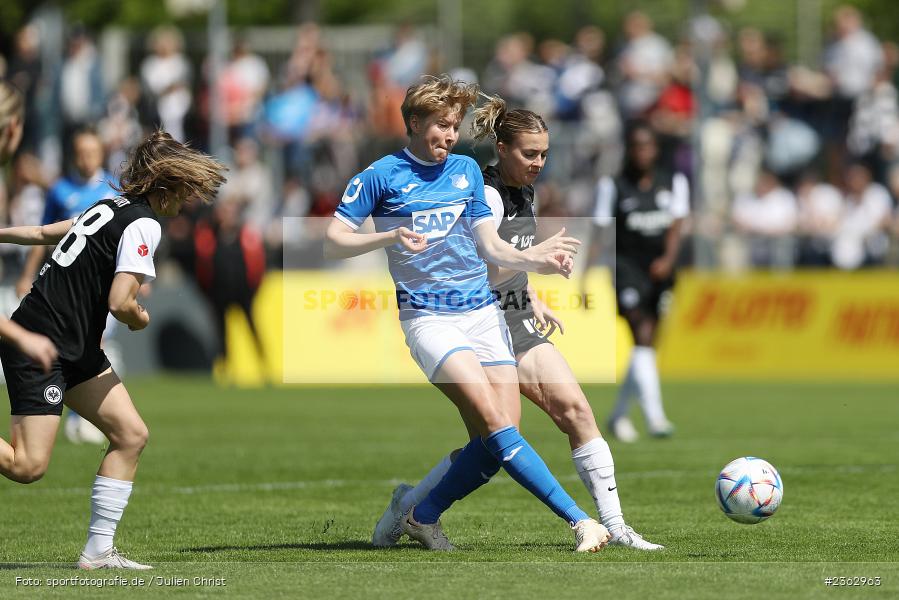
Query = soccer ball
x=749 y=490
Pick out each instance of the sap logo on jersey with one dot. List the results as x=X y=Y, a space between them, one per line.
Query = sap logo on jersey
x=436 y=222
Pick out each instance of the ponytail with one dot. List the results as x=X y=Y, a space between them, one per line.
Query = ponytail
x=488 y=118
x=492 y=119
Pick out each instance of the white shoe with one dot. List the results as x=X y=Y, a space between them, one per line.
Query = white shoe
x=661 y=429
x=89 y=434
x=389 y=529
x=623 y=429
x=430 y=535
x=110 y=560
x=71 y=428
x=624 y=535
x=590 y=535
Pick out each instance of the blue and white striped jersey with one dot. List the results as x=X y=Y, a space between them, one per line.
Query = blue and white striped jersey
x=445 y=202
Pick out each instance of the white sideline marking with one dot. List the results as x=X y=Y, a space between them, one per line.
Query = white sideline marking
x=276 y=486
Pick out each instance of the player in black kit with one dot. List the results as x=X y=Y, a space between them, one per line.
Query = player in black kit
x=647 y=205
x=544 y=376
x=101 y=259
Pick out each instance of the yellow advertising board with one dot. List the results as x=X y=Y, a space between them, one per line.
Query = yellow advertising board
x=805 y=325
x=341 y=327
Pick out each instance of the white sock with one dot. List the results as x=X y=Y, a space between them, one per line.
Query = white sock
x=628 y=388
x=430 y=481
x=108 y=501
x=646 y=375
x=594 y=464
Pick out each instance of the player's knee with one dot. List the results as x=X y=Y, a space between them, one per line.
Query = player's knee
x=494 y=420
x=571 y=416
x=29 y=472
x=133 y=437
x=141 y=437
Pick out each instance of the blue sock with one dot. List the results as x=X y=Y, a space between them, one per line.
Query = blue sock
x=473 y=468
x=526 y=467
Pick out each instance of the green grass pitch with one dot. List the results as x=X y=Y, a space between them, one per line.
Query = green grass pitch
x=276 y=492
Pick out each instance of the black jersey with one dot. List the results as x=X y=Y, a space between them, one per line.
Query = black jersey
x=642 y=216
x=518 y=227
x=69 y=301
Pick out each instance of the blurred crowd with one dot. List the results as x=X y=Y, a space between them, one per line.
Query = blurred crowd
x=791 y=165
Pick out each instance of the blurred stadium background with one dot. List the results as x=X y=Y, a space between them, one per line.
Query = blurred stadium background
x=783 y=114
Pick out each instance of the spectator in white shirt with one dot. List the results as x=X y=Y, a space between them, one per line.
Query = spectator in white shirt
x=861 y=238
x=768 y=217
x=854 y=57
x=166 y=74
x=643 y=64
x=821 y=206
x=851 y=62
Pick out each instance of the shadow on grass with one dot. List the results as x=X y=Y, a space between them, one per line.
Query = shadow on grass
x=537 y=546
x=20 y=566
x=351 y=545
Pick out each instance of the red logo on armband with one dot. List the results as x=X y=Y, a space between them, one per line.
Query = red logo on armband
x=143 y=250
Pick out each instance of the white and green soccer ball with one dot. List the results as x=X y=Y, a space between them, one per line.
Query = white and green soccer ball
x=749 y=490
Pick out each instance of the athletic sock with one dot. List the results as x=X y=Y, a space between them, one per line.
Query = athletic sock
x=596 y=468
x=526 y=467
x=628 y=388
x=474 y=467
x=417 y=494
x=109 y=498
x=646 y=375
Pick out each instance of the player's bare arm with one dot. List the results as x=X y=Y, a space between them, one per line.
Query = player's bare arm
x=37 y=347
x=543 y=314
x=341 y=241
x=662 y=267
x=35 y=258
x=548 y=257
x=36 y=235
x=123 y=301
x=499 y=275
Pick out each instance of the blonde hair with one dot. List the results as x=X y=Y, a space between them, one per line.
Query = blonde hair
x=12 y=104
x=436 y=95
x=161 y=163
x=493 y=119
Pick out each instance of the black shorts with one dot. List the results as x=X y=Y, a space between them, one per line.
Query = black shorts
x=524 y=332
x=635 y=289
x=33 y=392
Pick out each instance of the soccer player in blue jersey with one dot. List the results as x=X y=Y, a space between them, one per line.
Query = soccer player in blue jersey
x=432 y=219
x=71 y=195
x=67 y=198
x=545 y=378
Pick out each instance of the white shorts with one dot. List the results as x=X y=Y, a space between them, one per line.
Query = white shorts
x=433 y=338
